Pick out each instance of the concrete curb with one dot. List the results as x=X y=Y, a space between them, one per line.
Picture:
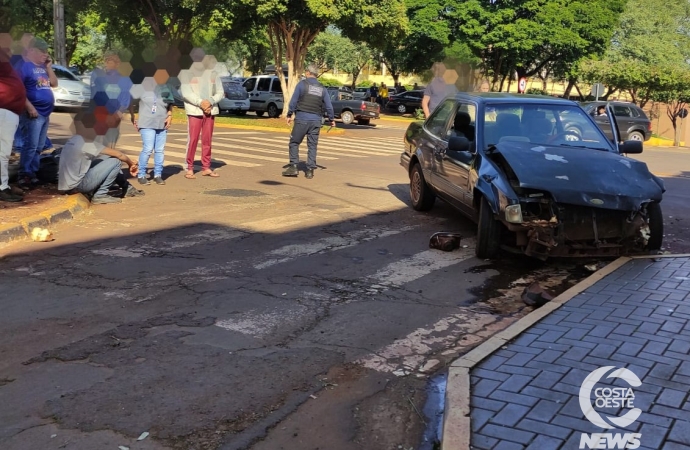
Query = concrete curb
x=457 y=428
x=73 y=205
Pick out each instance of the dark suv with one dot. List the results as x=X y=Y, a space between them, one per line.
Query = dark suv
x=633 y=123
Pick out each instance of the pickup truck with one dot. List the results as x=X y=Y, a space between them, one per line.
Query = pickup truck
x=348 y=110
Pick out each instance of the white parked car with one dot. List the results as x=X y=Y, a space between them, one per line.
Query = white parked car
x=265 y=95
x=71 y=92
x=236 y=97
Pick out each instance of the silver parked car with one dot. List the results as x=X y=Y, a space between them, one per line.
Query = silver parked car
x=71 y=92
x=236 y=97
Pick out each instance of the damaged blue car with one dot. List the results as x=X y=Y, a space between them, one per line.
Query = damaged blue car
x=532 y=186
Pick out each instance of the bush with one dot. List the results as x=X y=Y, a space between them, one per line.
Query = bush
x=536 y=91
x=365 y=84
x=419 y=114
x=329 y=82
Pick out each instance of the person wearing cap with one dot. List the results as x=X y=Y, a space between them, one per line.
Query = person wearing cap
x=91 y=168
x=38 y=78
x=308 y=103
x=12 y=104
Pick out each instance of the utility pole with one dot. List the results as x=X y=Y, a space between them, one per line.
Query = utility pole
x=60 y=37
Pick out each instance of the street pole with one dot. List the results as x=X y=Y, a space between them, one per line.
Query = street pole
x=59 y=26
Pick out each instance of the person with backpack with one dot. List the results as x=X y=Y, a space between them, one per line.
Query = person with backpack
x=307 y=104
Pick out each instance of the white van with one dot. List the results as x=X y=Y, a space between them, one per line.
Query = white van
x=265 y=95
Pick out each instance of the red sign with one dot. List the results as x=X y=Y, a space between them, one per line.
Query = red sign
x=522 y=85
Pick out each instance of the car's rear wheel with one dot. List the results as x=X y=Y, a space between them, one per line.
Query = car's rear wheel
x=402 y=109
x=488 y=233
x=636 y=136
x=364 y=121
x=347 y=117
x=260 y=113
x=420 y=193
x=273 y=111
x=655 y=220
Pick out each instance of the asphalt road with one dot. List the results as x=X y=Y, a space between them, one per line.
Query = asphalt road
x=252 y=310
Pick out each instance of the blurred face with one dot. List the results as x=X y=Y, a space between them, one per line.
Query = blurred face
x=112 y=63
x=37 y=56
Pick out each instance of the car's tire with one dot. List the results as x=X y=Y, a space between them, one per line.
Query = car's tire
x=273 y=111
x=402 y=109
x=656 y=226
x=364 y=121
x=636 y=136
x=488 y=233
x=347 y=117
x=260 y=113
x=421 y=195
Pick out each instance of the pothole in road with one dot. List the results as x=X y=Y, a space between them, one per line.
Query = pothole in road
x=235 y=193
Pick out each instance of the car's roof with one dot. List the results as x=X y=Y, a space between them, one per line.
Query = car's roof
x=506 y=97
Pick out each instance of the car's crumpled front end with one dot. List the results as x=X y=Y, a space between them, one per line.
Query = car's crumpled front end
x=607 y=212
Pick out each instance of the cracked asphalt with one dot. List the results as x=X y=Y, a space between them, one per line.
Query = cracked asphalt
x=308 y=317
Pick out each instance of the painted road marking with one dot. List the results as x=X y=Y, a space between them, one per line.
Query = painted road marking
x=333 y=243
x=183 y=156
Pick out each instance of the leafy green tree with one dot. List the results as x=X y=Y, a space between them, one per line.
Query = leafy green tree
x=651 y=42
x=294 y=24
x=357 y=61
x=524 y=36
x=330 y=51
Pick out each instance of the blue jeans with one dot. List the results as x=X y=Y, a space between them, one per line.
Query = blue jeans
x=35 y=131
x=154 y=141
x=100 y=177
x=311 y=130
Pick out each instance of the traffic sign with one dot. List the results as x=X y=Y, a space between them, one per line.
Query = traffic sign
x=598 y=90
x=522 y=85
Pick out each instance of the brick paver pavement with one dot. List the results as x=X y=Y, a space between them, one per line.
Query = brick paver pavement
x=526 y=395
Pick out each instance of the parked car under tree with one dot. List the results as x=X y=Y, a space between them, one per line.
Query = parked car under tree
x=507 y=162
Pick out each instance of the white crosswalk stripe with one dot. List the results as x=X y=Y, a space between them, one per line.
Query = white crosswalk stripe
x=256 y=148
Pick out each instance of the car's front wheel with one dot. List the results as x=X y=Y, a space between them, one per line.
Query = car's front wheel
x=347 y=117
x=488 y=233
x=655 y=219
x=402 y=109
x=420 y=193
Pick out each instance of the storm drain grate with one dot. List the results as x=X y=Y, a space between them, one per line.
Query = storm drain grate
x=235 y=193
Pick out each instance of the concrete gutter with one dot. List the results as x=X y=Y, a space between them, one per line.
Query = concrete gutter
x=72 y=206
x=457 y=430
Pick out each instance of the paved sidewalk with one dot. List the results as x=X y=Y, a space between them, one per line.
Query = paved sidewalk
x=526 y=393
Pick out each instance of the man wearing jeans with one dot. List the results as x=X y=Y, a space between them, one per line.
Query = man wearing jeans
x=155 y=117
x=308 y=102
x=91 y=168
x=12 y=103
x=38 y=77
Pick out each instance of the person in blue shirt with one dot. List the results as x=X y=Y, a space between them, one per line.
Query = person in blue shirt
x=308 y=103
x=38 y=77
x=110 y=96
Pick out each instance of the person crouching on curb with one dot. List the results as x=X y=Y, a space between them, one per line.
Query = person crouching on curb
x=155 y=117
x=307 y=103
x=91 y=169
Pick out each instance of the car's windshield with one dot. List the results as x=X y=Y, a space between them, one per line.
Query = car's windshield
x=545 y=124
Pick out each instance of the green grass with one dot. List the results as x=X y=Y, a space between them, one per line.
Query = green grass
x=250 y=120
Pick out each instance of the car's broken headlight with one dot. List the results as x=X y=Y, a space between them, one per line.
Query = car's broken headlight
x=513 y=213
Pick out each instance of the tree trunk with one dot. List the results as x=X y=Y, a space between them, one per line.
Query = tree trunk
x=294 y=41
x=355 y=74
x=579 y=92
x=500 y=86
x=569 y=88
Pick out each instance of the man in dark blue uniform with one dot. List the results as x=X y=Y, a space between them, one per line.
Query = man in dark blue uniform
x=307 y=103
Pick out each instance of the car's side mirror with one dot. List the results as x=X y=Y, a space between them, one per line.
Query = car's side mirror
x=458 y=144
x=630 y=147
